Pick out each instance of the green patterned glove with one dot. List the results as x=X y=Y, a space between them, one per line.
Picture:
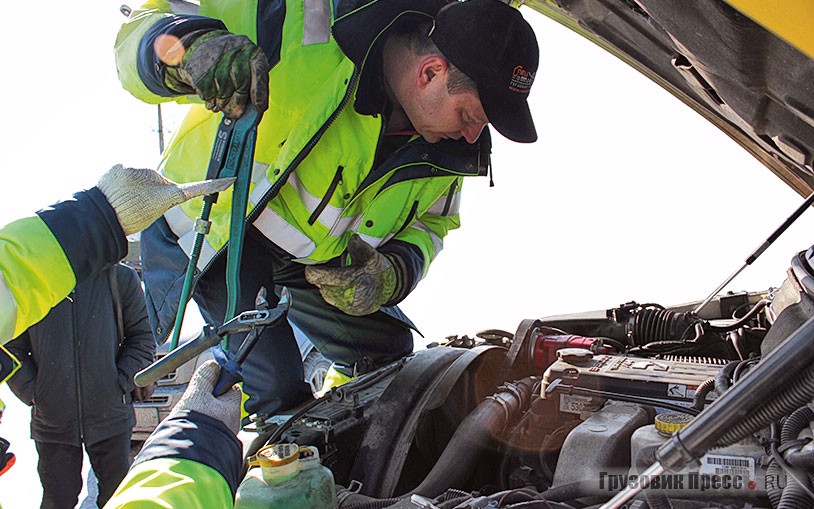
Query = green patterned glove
x=224 y=69
x=362 y=287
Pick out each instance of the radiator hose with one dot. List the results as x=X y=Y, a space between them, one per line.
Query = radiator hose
x=476 y=433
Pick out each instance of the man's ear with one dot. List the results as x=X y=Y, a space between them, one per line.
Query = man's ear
x=431 y=69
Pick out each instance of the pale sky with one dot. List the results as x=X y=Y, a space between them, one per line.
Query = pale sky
x=628 y=194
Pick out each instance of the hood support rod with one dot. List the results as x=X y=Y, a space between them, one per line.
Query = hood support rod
x=759 y=251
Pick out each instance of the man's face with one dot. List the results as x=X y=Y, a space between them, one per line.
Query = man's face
x=436 y=114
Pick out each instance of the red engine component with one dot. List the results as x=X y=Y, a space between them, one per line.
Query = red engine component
x=544 y=352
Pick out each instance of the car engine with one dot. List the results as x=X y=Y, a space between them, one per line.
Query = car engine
x=568 y=410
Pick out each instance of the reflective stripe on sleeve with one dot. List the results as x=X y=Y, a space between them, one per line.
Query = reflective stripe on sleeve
x=8 y=311
x=437 y=242
x=373 y=241
x=344 y=224
x=444 y=206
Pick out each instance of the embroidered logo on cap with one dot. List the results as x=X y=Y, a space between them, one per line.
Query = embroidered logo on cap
x=521 y=80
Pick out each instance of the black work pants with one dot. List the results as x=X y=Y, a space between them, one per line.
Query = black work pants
x=273 y=372
x=60 y=470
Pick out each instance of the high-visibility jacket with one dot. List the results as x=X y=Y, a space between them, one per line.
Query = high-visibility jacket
x=43 y=256
x=311 y=138
x=173 y=470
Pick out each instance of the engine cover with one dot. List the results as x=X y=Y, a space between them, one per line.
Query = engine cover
x=579 y=381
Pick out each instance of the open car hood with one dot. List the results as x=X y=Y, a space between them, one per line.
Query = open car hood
x=754 y=85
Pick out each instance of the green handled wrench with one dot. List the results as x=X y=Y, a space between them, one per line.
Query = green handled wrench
x=232 y=156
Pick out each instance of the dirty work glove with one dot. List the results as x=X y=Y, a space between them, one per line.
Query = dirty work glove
x=360 y=288
x=223 y=69
x=140 y=196
x=199 y=398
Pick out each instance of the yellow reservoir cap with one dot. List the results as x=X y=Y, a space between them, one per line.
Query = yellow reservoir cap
x=670 y=422
x=279 y=462
x=277 y=455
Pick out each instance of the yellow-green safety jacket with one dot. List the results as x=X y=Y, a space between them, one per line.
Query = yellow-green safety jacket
x=43 y=256
x=173 y=470
x=312 y=140
x=334 y=180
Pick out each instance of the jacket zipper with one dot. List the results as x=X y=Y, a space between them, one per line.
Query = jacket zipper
x=389 y=173
x=450 y=196
x=328 y=195
x=77 y=342
x=280 y=182
x=410 y=218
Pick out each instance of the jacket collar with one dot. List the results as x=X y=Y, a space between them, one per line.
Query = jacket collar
x=360 y=34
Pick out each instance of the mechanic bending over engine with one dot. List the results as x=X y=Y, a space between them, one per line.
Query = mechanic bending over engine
x=375 y=113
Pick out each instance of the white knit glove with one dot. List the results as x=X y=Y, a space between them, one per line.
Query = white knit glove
x=199 y=398
x=140 y=196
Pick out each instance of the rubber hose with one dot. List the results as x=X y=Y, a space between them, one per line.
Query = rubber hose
x=796 y=393
x=475 y=433
x=774 y=488
x=453 y=502
x=452 y=498
x=723 y=376
x=794 y=496
x=508 y=453
x=372 y=504
x=800 y=459
x=795 y=423
x=700 y=398
x=656 y=499
x=347 y=499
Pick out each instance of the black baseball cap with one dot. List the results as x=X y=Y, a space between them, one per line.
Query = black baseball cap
x=493 y=44
x=487 y=40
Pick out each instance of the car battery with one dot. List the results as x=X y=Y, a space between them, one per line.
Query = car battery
x=582 y=380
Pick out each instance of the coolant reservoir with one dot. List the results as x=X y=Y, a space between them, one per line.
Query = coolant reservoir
x=735 y=470
x=287 y=477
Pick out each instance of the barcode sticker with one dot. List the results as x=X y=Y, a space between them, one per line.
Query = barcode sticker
x=718 y=464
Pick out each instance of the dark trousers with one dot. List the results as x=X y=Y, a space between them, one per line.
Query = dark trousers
x=60 y=470
x=273 y=372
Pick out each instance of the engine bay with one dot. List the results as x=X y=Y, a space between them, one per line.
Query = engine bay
x=568 y=410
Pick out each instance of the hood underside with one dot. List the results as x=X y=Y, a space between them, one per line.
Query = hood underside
x=755 y=86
